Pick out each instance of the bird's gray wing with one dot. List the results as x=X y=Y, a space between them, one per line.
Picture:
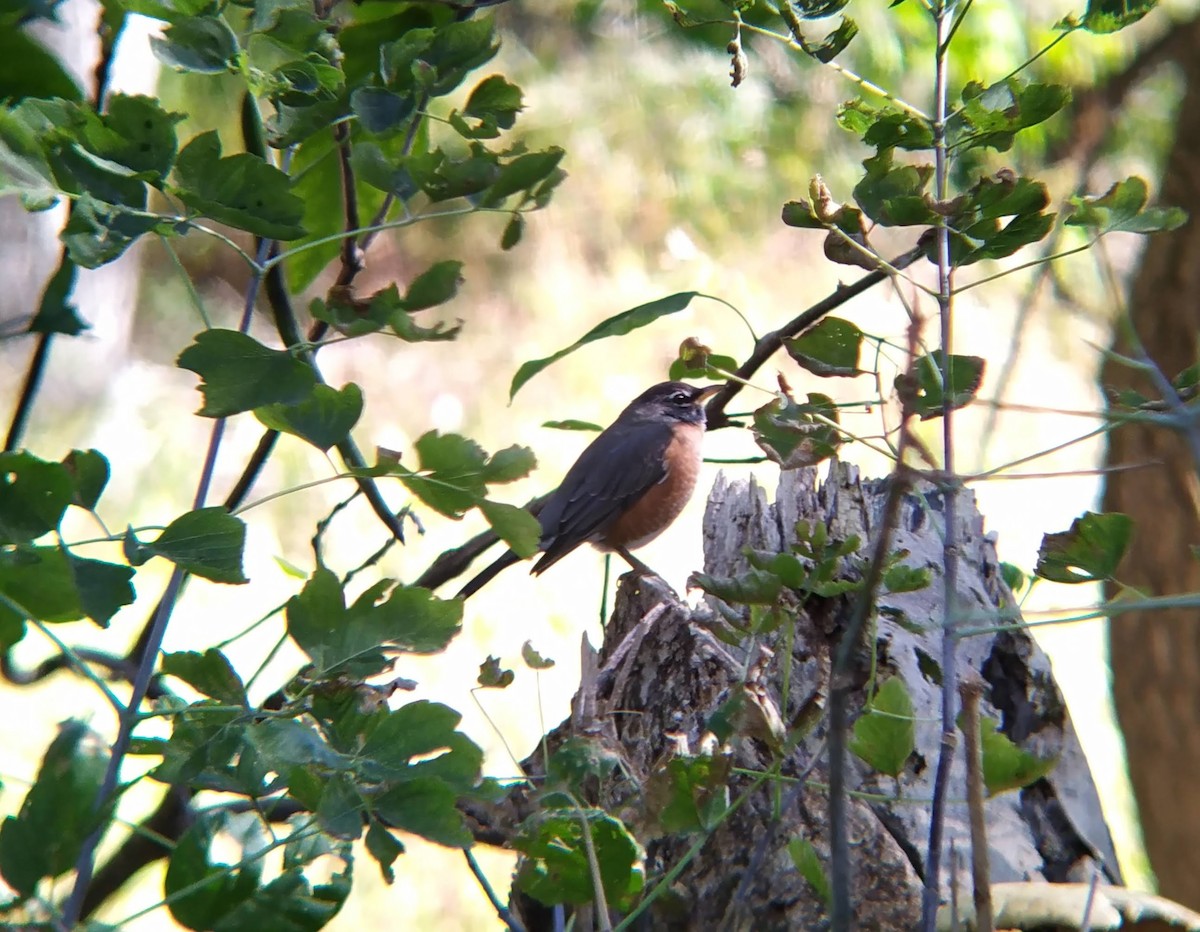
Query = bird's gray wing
x=615 y=470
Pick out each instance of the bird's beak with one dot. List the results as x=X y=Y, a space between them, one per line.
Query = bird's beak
x=708 y=391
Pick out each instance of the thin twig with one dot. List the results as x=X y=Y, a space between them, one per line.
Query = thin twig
x=941 y=778
x=971 y=692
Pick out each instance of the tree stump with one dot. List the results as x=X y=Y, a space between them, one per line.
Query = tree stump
x=663 y=675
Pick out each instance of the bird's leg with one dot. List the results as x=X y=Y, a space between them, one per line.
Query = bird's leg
x=638 y=566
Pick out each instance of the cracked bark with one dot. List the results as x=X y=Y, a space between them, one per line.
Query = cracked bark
x=662 y=674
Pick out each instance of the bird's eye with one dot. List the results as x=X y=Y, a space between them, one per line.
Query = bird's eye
x=680 y=398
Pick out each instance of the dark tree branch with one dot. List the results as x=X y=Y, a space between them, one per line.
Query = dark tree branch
x=29 y=390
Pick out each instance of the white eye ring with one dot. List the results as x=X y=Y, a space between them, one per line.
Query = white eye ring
x=681 y=397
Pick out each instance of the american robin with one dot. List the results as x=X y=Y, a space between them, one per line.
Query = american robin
x=629 y=484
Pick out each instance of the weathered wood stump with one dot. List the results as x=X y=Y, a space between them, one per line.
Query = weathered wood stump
x=662 y=674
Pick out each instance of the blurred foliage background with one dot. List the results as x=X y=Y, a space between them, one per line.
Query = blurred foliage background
x=676 y=182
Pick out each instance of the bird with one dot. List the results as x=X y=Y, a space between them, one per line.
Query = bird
x=627 y=486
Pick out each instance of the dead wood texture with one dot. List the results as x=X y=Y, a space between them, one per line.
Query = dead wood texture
x=662 y=674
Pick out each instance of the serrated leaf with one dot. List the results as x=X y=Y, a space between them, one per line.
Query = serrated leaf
x=797 y=435
x=324 y=419
x=834 y=42
x=210 y=674
x=831 y=348
x=335 y=636
x=902 y=578
x=54 y=586
x=515 y=526
x=688 y=794
x=1105 y=16
x=754 y=587
x=493 y=676
x=885 y=127
x=885 y=734
x=556 y=866
x=992 y=116
x=1123 y=208
x=238 y=373
x=929 y=399
x=58 y=813
x=96 y=233
x=895 y=195
x=425 y=807
x=451 y=473
x=616 y=326
x=241 y=190
x=34 y=494
x=207 y=543
x=533 y=659
x=1089 y=551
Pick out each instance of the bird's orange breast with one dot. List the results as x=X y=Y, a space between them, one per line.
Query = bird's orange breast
x=654 y=512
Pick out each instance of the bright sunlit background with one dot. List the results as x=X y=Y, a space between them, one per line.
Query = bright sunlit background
x=676 y=181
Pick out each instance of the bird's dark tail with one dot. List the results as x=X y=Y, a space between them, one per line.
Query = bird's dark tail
x=485 y=576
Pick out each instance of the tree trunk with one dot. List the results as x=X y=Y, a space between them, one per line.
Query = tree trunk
x=663 y=675
x=1155 y=657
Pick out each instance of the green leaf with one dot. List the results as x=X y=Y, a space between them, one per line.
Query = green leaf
x=493 y=676
x=383 y=309
x=834 y=42
x=24 y=168
x=102 y=588
x=509 y=465
x=1091 y=550
x=1014 y=577
x=808 y=863
x=901 y=578
x=797 y=435
x=1006 y=766
x=425 y=807
x=451 y=473
x=135 y=132
x=1123 y=208
x=96 y=233
x=513 y=230
x=207 y=543
x=200 y=893
x=238 y=373
x=436 y=285
x=334 y=636
x=210 y=674
x=992 y=116
x=895 y=195
x=494 y=103
x=885 y=127
x=522 y=174
x=976 y=229
x=830 y=348
x=379 y=110
x=54 y=586
x=556 y=866
x=29 y=69
x=241 y=190
x=57 y=314
x=573 y=424
x=886 y=733
x=413 y=730
x=324 y=419
x=617 y=326
x=515 y=526
x=533 y=659
x=754 y=587
x=689 y=794
x=58 y=813
x=291 y=903
x=33 y=496
x=384 y=847
x=1105 y=16
x=340 y=810
x=928 y=399
x=203 y=44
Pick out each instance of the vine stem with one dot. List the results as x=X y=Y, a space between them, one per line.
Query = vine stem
x=929 y=904
x=86 y=862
